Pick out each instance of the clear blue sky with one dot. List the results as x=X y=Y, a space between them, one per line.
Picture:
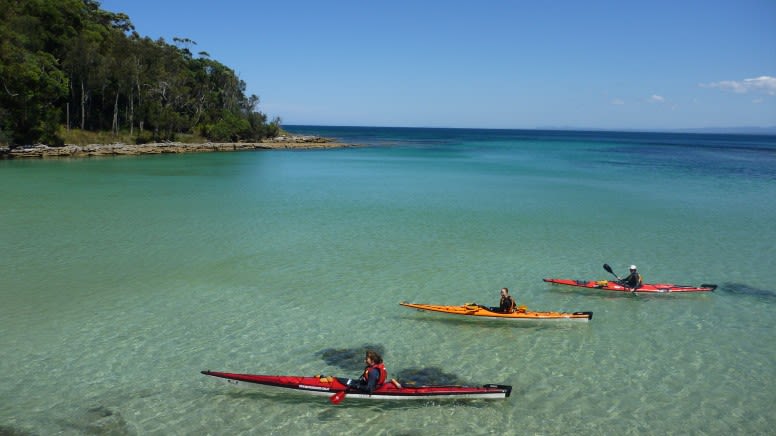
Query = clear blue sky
x=611 y=64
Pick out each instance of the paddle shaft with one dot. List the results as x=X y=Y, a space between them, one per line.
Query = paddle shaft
x=609 y=269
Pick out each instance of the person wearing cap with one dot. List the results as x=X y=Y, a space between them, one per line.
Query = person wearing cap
x=634 y=280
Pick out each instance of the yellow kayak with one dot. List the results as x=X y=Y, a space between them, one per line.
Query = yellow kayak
x=476 y=311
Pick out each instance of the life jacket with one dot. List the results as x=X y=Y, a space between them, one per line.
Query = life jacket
x=511 y=305
x=628 y=281
x=383 y=374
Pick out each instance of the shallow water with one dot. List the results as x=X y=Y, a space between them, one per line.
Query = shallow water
x=124 y=277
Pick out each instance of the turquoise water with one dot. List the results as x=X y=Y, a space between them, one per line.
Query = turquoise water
x=122 y=278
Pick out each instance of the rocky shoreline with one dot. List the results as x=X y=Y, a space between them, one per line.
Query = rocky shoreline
x=118 y=149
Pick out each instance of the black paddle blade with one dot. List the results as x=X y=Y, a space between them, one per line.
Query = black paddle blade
x=609 y=270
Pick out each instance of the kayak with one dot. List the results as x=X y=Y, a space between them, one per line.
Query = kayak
x=336 y=386
x=608 y=285
x=475 y=311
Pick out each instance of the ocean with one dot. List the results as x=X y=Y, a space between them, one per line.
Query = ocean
x=123 y=278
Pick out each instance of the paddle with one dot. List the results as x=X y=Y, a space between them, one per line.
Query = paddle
x=609 y=270
x=338 y=397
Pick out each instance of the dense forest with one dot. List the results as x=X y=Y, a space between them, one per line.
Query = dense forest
x=68 y=63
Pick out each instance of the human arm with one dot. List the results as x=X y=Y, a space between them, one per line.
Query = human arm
x=633 y=281
x=628 y=281
x=368 y=384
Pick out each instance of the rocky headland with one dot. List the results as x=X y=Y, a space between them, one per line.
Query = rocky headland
x=119 y=149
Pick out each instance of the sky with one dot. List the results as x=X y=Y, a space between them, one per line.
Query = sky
x=594 y=64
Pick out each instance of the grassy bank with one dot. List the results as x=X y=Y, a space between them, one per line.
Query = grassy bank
x=86 y=137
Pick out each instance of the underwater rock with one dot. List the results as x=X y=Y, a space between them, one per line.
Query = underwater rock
x=6 y=430
x=101 y=420
x=348 y=358
x=427 y=376
x=744 y=289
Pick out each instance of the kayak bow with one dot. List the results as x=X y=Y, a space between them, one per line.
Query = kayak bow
x=327 y=386
x=475 y=311
x=607 y=285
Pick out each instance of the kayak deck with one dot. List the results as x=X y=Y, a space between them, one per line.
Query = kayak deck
x=609 y=285
x=327 y=386
x=475 y=311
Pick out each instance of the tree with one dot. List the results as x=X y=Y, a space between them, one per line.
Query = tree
x=70 y=61
x=31 y=84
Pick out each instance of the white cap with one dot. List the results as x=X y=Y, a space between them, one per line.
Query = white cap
x=633 y=267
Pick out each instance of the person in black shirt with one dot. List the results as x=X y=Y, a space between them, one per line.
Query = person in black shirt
x=507 y=303
x=634 y=280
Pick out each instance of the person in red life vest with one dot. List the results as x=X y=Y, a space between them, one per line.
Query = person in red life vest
x=374 y=375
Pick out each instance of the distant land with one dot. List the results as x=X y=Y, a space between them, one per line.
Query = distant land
x=711 y=130
x=734 y=130
x=742 y=130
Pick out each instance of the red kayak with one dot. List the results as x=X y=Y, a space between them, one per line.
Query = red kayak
x=336 y=389
x=609 y=285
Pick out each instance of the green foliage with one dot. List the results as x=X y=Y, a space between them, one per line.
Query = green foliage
x=229 y=128
x=31 y=81
x=144 y=138
x=69 y=62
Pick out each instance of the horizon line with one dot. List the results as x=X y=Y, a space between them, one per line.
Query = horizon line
x=742 y=130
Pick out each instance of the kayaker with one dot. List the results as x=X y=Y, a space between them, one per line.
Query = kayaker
x=507 y=303
x=374 y=375
x=634 y=279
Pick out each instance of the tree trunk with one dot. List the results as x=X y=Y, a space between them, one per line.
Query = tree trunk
x=115 y=125
x=139 y=101
x=131 y=113
x=83 y=105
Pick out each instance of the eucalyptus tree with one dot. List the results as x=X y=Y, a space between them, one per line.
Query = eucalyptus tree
x=68 y=61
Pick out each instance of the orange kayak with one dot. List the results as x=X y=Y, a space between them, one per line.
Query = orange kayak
x=476 y=311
